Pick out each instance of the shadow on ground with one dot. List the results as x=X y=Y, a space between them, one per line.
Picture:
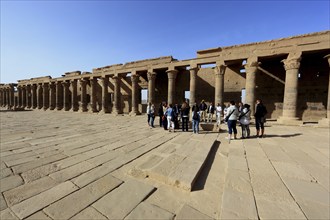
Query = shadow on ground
x=202 y=177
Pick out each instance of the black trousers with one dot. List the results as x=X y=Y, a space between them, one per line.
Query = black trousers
x=185 y=121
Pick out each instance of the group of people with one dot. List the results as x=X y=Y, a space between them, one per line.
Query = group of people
x=170 y=115
x=242 y=114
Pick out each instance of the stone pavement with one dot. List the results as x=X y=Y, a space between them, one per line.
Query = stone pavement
x=67 y=165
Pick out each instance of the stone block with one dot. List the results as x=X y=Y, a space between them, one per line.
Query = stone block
x=5 y=173
x=71 y=172
x=37 y=202
x=148 y=211
x=33 y=164
x=10 y=183
x=3 y=204
x=28 y=190
x=89 y=213
x=188 y=212
x=82 y=198
x=38 y=216
x=121 y=201
x=7 y=214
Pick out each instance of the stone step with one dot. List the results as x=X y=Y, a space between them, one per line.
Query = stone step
x=180 y=166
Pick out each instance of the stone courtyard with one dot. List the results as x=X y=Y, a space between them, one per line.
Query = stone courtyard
x=68 y=165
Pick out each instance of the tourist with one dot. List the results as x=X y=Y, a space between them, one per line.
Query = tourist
x=218 y=114
x=210 y=113
x=225 y=111
x=170 y=117
x=165 y=107
x=232 y=116
x=151 y=114
x=260 y=117
x=244 y=119
x=202 y=109
x=240 y=107
x=185 y=109
x=160 y=114
x=195 y=119
x=177 y=111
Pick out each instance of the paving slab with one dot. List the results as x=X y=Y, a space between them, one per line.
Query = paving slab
x=188 y=212
x=10 y=182
x=37 y=202
x=3 y=204
x=82 y=198
x=28 y=190
x=39 y=216
x=121 y=201
x=7 y=214
x=148 y=211
x=89 y=213
x=72 y=171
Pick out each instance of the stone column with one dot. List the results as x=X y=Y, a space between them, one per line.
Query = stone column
x=7 y=97
x=74 y=95
x=28 y=96
x=34 y=96
x=66 y=101
x=219 y=84
x=59 y=95
x=93 y=82
x=39 y=96
x=135 y=108
x=171 y=74
x=83 y=98
x=117 y=95
x=11 y=96
x=151 y=86
x=24 y=96
x=251 y=69
x=1 y=97
x=325 y=122
x=192 y=86
x=291 y=65
x=45 y=90
x=20 y=100
x=105 y=94
x=52 y=96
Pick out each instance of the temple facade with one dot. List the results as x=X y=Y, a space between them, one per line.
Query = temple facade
x=291 y=76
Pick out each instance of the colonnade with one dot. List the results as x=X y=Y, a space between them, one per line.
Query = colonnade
x=63 y=95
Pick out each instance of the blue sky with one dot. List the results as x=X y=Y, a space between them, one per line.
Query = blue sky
x=40 y=38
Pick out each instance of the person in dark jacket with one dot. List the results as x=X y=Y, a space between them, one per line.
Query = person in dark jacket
x=185 y=109
x=260 y=117
x=210 y=112
x=160 y=114
x=202 y=109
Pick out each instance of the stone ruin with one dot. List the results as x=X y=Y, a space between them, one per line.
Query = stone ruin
x=290 y=75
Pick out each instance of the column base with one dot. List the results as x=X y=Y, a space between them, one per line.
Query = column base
x=106 y=111
x=324 y=123
x=135 y=113
x=289 y=121
x=116 y=112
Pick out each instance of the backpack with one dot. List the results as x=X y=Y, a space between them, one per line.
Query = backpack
x=195 y=116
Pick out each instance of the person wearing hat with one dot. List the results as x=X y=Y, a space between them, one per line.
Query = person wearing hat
x=244 y=120
x=202 y=109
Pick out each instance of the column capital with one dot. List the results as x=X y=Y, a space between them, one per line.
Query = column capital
x=171 y=74
x=251 y=65
x=328 y=58
x=135 y=78
x=220 y=70
x=293 y=61
x=151 y=75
